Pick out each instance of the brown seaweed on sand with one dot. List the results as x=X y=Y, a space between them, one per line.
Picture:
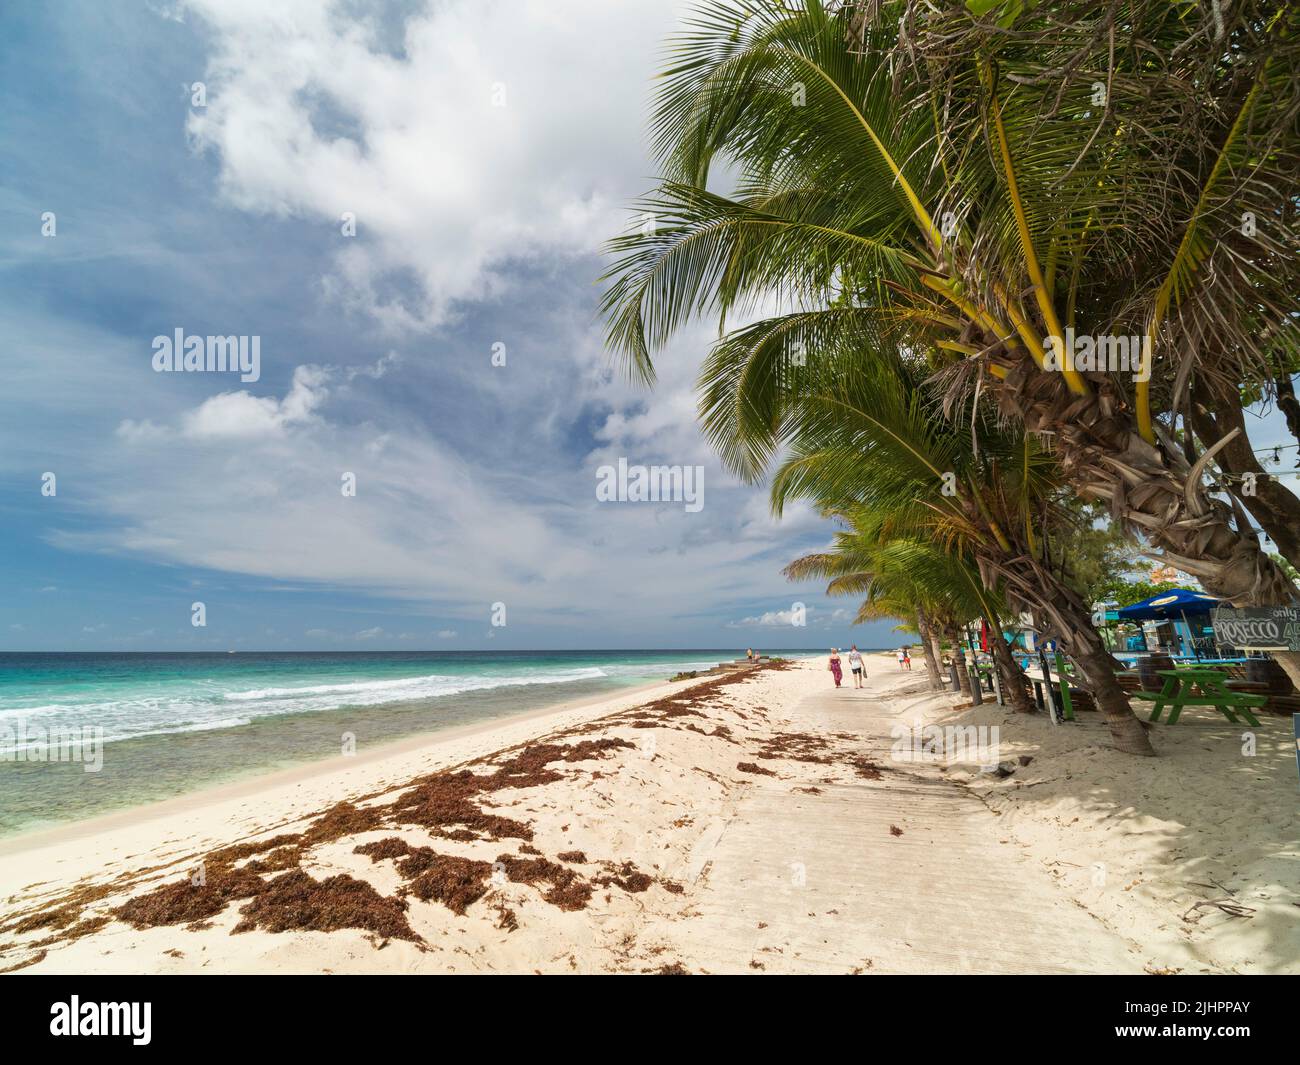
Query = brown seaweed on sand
x=61 y=914
x=447 y=878
x=186 y=901
x=796 y=747
x=342 y=819
x=295 y=901
x=865 y=768
x=567 y=891
x=628 y=877
x=392 y=847
x=446 y=799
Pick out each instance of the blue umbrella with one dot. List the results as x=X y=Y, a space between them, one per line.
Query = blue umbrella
x=1169 y=605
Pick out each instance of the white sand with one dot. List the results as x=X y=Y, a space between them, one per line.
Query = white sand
x=1202 y=813
x=1140 y=842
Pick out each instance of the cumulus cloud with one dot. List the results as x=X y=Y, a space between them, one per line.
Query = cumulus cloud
x=472 y=136
x=241 y=414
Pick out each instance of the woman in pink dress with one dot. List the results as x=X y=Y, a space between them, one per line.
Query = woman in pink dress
x=836 y=672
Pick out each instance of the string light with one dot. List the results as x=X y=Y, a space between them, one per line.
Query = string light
x=1223 y=481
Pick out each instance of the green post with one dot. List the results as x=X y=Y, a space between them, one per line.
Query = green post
x=1067 y=708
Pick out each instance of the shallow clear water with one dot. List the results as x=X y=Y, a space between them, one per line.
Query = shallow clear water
x=162 y=724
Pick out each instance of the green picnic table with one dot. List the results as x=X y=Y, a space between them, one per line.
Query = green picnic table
x=1195 y=686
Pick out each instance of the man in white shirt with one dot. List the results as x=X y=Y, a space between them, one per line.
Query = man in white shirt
x=855 y=664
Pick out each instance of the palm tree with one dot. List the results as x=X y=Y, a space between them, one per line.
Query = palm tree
x=885 y=596
x=910 y=577
x=992 y=186
x=866 y=441
x=858 y=430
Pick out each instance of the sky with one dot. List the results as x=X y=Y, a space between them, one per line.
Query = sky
x=194 y=165
x=385 y=194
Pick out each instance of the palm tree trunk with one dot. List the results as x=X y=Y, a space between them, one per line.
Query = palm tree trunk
x=959 y=662
x=1098 y=668
x=927 y=648
x=1013 y=681
x=1059 y=612
x=936 y=649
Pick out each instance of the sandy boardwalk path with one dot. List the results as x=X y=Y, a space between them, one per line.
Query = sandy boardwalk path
x=826 y=883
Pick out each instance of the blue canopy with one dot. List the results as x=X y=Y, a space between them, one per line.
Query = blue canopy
x=1171 y=604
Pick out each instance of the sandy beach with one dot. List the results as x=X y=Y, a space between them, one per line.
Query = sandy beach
x=758 y=821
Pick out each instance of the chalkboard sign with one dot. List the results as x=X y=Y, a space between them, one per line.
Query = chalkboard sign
x=1273 y=628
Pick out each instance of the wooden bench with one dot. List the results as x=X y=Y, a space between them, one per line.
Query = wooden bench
x=1200 y=687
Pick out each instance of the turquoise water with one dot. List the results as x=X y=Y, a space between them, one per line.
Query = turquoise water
x=152 y=726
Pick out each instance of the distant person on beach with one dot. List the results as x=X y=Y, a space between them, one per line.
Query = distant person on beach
x=836 y=672
x=901 y=655
x=907 y=659
x=855 y=664
x=750 y=654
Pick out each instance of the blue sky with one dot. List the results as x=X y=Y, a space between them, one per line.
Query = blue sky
x=475 y=225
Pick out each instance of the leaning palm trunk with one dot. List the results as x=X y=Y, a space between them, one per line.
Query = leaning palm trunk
x=936 y=652
x=927 y=647
x=1098 y=668
x=1059 y=610
x=959 y=662
x=1153 y=489
x=1013 y=681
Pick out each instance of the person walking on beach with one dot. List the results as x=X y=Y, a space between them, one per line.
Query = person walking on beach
x=836 y=672
x=855 y=664
x=907 y=660
x=902 y=657
x=750 y=654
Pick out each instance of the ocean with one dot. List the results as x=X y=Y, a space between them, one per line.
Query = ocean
x=163 y=724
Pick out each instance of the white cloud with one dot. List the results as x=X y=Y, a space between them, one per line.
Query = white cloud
x=241 y=414
x=769 y=619
x=310 y=116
